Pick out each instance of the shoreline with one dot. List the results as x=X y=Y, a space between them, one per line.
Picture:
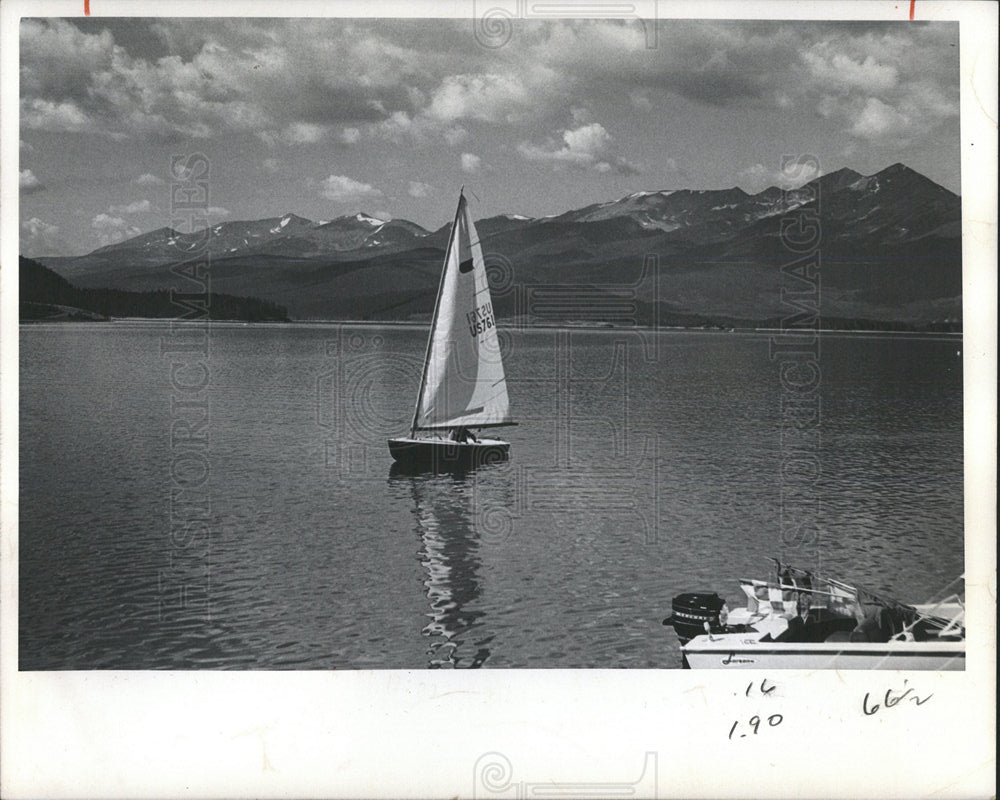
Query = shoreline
x=607 y=328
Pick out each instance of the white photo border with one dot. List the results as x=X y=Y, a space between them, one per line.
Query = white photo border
x=425 y=734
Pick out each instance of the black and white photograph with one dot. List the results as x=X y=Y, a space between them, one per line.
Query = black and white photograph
x=530 y=340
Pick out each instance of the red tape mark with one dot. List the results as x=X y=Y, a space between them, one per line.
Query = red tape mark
x=913 y=6
x=86 y=9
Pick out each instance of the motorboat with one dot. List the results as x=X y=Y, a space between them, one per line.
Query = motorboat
x=800 y=619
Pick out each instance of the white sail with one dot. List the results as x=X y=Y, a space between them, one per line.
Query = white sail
x=463 y=383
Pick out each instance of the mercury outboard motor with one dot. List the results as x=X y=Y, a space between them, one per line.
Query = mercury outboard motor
x=690 y=612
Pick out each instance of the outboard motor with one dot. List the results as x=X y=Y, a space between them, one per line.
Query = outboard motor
x=690 y=612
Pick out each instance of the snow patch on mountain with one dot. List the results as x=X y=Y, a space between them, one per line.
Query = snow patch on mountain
x=658 y=193
x=866 y=183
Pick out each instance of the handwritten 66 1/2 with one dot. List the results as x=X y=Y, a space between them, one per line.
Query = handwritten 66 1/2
x=893 y=699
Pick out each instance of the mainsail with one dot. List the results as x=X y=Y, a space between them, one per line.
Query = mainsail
x=463 y=383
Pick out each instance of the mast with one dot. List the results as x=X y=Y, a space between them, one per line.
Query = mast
x=437 y=304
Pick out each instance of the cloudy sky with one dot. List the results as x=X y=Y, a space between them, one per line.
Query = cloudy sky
x=328 y=117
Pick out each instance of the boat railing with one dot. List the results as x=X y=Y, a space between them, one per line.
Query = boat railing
x=943 y=624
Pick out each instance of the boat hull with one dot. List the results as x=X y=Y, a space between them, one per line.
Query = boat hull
x=738 y=651
x=442 y=455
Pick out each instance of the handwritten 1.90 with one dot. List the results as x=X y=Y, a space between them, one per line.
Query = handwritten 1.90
x=773 y=721
x=893 y=699
x=755 y=721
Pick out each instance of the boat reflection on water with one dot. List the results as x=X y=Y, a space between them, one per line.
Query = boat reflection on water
x=448 y=519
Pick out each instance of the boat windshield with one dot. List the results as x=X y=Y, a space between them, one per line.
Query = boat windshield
x=783 y=597
x=797 y=591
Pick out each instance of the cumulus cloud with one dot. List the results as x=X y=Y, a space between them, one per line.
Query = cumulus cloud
x=486 y=97
x=758 y=177
x=756 y=174
x=342 y=189
x=421 y=82
x=928 y=99
x=39 y=238
x=471 y=162
x=304 y=133
x=402 y=127
x=111 y=230
x=589 y=146
x=36 y=227
x=27 y=182
x=397 y=127
x=901 y=117
x=149 y=179
x=877 y=120
x=295 y=133
x=217 y=211
x=59 y=58
x=839 y=71
x=271 y=164
x=42 y=114
x=138 y=207
x=880 y=86
x=712 y=63
x=219 y=77
x=456 y=135
x=641 y=101
x=418 y=189
x=833 y=68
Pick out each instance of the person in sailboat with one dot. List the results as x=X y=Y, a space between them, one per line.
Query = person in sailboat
x=463 y=435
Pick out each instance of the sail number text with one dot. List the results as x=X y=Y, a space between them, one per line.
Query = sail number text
x=481 y=319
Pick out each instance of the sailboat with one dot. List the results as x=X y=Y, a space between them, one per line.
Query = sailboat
x=463 y=385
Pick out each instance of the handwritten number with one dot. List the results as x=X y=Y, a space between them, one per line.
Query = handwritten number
x=891 y=699
x=764 y=688
x=755 y=721
x=773 y=721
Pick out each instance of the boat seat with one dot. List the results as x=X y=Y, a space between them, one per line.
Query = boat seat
x=821 y=629
x=872 y=629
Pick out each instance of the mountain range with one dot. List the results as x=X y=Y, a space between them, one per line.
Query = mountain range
x=889 y=249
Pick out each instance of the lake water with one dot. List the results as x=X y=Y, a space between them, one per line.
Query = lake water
x=269 y=531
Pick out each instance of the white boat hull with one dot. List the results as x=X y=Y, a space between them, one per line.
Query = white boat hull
x=742 y=651
x=817 y=623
